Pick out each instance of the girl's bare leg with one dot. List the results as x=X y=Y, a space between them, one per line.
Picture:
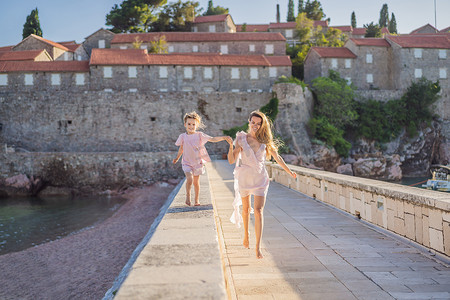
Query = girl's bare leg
x=197 y=189
x=259 y=223
x=189 y=180
x=246 y=218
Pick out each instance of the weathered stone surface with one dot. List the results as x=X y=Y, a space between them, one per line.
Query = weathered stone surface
x=325 y=158
x=345 y=169
x=290 y=159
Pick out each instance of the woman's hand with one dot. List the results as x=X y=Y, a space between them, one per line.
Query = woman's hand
x=229 y=140
x=293 y=174
x=174 y=161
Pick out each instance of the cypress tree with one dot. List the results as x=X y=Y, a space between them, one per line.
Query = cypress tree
x=384 y=16
x=300 y=6
x=353 y=20
x=290 y=15
x=32 y=25
x=393 y=24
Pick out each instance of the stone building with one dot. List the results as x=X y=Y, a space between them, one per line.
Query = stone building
x=215 y=23
x=27 y=55
x=99 y=39
x=34 y=42
x=427 y=28
x=206 y=42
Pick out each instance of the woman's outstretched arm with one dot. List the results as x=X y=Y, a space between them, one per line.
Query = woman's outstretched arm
x=281 y=162
x=233 y=153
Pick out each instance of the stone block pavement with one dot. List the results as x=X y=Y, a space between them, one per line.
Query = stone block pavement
x=313 y=251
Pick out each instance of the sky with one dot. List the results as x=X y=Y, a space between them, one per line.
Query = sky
x=67 y=20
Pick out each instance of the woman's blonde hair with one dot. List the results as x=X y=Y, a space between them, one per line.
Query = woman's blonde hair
x=264 y=134
x=196 y=117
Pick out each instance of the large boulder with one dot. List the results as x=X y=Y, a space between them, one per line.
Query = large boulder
x=325 y=158
x=346 y=169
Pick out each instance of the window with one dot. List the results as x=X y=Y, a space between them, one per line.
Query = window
x=187 y=72
x=123 y=47
x=269 y=49
x=195 y=29
x=289 y=33
x=207 y=73
x=334 y=63
x=171 y=49
x=442 y=54
x=187 y=89
x=28 y=79
x=251 y=48
x=101 y=43
x=349 y=80
x=79 y=57
x=253 y=73
x=163 y=72
x=212 y=28
x=3 y=79
x=235 y=90
x=348 y=63
x=107 y=72
x=56 y=79
x=163 y=90
x=369 y=58
x=442 y=73
x=418 y=53
x=272 y=72
x=234 y=73
x=132 y=90
x=79 y=79
x=66 y=56
x=195 y=48
x=132 y=72
x=417 y=73
x=224 y=49
x=208 y=89
x=144 y=47
x=369 y=78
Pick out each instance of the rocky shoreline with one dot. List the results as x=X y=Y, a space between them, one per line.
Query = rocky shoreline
x=84 y=265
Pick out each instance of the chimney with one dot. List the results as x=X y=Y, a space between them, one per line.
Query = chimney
x=278 y=13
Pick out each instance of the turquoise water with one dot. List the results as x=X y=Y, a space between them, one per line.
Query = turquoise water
x=414 y=181
x=26 y=222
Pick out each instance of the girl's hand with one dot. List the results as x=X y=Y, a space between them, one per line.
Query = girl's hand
x=229 y=140
x=174 y=161
x=293 y=174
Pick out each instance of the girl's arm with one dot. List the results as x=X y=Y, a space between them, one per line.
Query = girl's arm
x=281 y=162
x=233 y=153
x=180 y=151
x=220 y=138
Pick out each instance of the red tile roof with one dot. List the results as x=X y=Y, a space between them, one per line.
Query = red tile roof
x=359 y=31
x=67 y=43
x=198 y=37
x=118 y=57
x=53 y=44
x=44 y=66
x=445 y=30
x=333 y=52
x=140 y=57
x=20 y=55
x=416 y=31
x=253 y=27
x=6 y=48
x=73 y=47
x=343 y=28
x=321 y=23
x=214 y=18
x=288 y=25
x=421 y=41
x=375 y=42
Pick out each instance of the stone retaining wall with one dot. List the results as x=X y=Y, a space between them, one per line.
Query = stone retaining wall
x=422 y=216
x=102 y=170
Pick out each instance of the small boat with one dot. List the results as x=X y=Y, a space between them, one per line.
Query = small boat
x=440 y=178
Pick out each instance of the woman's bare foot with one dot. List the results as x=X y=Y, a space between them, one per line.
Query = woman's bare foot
x=246 y=243
x=188 y=201
x=259 y=254
x=197 y=204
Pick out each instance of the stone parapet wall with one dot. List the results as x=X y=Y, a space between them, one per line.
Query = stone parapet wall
x=420 y=215
x=91 y=170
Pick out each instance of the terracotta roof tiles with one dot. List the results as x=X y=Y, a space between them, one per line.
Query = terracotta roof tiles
x=118 y=57
x=333 y=52
x=214 y=18
x=343 y=28
x=198 y=37
x=20 y=55
x=375 y=42
x=6 y=48
x=47 y=42
x=44 y=66
x=253 y=27
x=421 y=41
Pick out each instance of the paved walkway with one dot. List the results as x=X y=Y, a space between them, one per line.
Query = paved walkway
x=313 y=251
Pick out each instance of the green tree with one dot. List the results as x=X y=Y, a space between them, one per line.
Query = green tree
x=314 y=10
x=372 y=30
x=301 y=6
x=133 y=15
x=159 y=46
x=291 y=14
x=384 y=16
x=304 y=28
x=32 y=25
x=393 y=24
x=335 y=100
x=176 y=16
x=244 y=27
x=353 y=20
x=217 y=10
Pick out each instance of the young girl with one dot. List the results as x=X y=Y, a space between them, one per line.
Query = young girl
x=192 y=147
x=250 y=175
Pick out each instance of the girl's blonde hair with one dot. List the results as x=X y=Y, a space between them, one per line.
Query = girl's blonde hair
x=264 y=134
x=196 y=117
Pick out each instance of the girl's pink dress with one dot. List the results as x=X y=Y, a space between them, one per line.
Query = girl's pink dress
x=250 y=175
x=194 y=152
